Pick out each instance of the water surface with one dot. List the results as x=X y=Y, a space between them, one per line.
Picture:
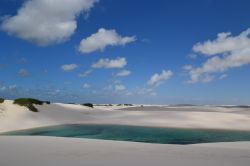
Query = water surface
x=137 y=134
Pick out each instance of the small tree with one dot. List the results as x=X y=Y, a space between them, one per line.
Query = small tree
x=28 y=102
x=1 y=100
x=88 y=105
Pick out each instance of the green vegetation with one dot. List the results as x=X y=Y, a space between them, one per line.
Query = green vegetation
x=47 y=102
x=28 y=102
x=1 y=100
x=128 y=104
x=88 y=105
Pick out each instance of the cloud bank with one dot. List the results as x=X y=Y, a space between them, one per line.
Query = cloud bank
x=46 y=22
x=102 y=39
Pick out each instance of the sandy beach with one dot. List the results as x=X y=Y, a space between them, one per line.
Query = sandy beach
x=30 y=150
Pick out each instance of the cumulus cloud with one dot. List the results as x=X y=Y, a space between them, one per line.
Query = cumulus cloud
x=85 y=73
x=102 y=39
x=225 y=42
x=46 y=22
x=158 y=79
x=123 y=73
x=110 y=63
x=69 y=67
x=23 y=73
x=232 y=52
x=120 y=87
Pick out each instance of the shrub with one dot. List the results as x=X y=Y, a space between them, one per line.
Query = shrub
x=1 y=100
x=88 y=105
x=28 y=102
x=47 y=102
x=128 y=104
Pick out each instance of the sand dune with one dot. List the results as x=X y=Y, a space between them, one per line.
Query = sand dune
x=14 y=117
x=40 y=151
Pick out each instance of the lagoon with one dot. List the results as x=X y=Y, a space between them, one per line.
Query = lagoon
x=137 y=133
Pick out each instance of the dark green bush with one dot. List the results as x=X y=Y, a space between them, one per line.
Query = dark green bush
x=1 y=100
x=128 y=104
x=88 y=105
x=28 y=102
x=47 y=102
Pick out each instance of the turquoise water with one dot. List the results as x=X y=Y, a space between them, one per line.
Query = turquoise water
x=138 y=134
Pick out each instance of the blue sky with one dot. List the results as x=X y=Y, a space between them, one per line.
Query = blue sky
x=126 y=51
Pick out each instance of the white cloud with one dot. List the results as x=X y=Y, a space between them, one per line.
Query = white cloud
x=158 y=79
x=10 y=88
x=46 y=22
x=120 y=87
x=193 y=56
x=69 y=67
x=233 y=52
x=208 y=78
x=86 y=86
x=23 y=73
x=187 y=67
x=123 y=73
x=223 y=76
x=102 y=39
x=2 y=88
x=225 y=42
x=110 y=63
x=85 y=73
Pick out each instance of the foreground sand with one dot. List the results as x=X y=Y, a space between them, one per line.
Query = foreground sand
x=52 y=151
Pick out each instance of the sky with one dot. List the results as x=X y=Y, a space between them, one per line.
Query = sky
x=126 y=51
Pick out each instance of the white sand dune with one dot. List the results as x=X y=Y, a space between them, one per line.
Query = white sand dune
x=14 y=117
x=52 y=151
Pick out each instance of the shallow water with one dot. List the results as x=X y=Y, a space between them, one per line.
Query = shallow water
x=137 y=134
